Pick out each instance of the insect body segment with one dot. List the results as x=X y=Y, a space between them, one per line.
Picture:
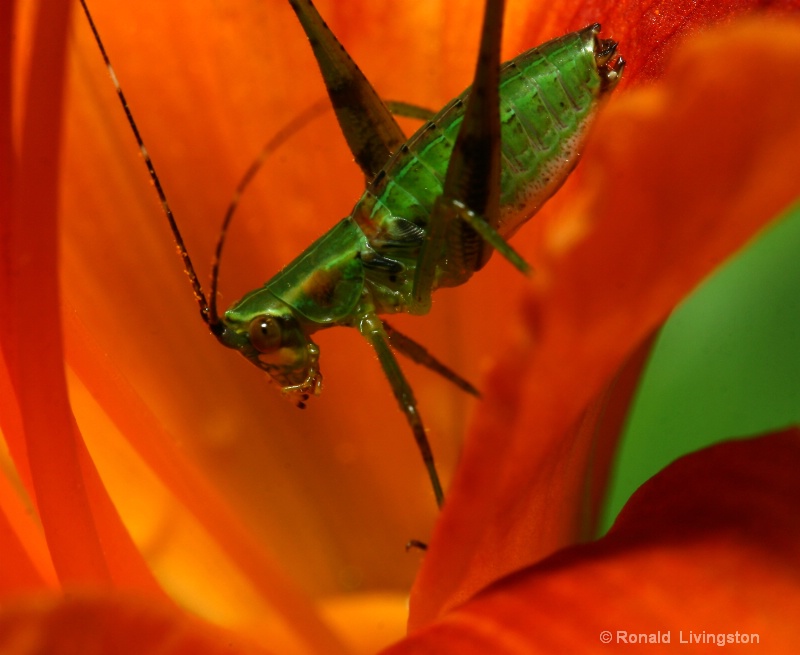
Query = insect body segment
x=548 y=96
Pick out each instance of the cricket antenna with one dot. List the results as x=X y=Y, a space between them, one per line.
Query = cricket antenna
x=276 y=141
x=208 y=314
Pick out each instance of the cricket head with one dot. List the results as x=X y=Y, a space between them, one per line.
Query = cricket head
x=272 y=326
x=270 y=334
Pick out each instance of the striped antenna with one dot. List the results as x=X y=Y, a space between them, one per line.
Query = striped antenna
x=210 y=317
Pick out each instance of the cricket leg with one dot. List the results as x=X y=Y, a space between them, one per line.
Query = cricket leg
x=464 y=217
x=409 y=110
x=373 y=331
x=419 y=354
x=368 y=126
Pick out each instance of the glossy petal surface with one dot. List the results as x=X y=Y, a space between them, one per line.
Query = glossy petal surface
x=705 y=548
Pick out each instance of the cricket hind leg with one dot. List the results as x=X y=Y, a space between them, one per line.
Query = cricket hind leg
x=372 y=329
x=369 y=128
x=470 y=200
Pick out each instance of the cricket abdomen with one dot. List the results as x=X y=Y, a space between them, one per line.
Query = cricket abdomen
x=548 y=97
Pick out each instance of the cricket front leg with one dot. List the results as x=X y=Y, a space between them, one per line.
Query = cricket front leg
x=371 y=327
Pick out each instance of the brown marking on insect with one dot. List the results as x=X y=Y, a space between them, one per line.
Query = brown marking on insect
x=320 y=286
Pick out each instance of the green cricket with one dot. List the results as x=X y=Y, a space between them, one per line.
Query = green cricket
x=435 y=207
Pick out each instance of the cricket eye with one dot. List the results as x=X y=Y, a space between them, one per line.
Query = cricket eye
x=265 y=334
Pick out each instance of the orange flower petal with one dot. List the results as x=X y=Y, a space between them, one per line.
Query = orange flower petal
x=107 y=624
x=647 y=32
x=678 y=177
x=706 y=547
x=86 y=538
